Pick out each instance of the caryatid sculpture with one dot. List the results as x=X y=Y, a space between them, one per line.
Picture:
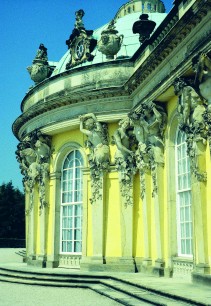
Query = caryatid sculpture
x=149 y=125
x=191 y=118
x=33 y=154
x=125 y=159
x=202 y=66
x=99 y=157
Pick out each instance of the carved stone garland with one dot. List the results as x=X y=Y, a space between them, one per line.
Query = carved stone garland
x=33 y=154
x=125 y=160
x=149 y=125
x=99 y=158
x=191 y=113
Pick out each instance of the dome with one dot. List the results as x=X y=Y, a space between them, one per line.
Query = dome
x=130 y=43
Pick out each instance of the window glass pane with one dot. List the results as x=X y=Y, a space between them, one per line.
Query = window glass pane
x=77 y=234
x=64 y=235
x=64 y=247
x=77 y=184
x=77 y=245
x=64 y=222
x=70 y=210
x=69 y=246
x=78 y=172
x=66 y=163
x=70 y=222
x=64 y=198
x=77 y=222
x=69 y=235
x=77 y=210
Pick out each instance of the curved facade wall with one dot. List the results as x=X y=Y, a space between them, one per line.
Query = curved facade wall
x=124 y=117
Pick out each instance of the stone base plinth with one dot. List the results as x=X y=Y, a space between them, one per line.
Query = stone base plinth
x=37 y=261
x=109 y=264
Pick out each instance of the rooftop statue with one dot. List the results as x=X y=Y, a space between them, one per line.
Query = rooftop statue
x=80 y=43
x=78 y=22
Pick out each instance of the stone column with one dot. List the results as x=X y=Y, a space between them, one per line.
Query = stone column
x=146 y=201
x=126 y=262
x=199 y=200
x=158 y=205
x=97 y=223
x=95 y=262
x=30 y=244
x=54 y=223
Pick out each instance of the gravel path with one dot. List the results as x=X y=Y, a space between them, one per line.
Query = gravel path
x=27 y=295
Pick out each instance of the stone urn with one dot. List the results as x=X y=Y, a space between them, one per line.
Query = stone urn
x=110 y=43
x=40 y=69
x=143 y=27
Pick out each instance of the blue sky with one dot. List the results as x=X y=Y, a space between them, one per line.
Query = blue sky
x=24 y=25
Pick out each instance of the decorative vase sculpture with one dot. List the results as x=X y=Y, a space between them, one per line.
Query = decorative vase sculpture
x=40 y=69
x=143 y=27
x=110 y=43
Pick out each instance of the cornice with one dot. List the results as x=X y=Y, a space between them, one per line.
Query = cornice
x=181 y=29
x=66 y=98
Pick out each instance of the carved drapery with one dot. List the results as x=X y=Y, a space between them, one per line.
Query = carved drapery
x=149 y=124
x=125 y=159
x=191 y=117
x=33 y=154
x=99 y=157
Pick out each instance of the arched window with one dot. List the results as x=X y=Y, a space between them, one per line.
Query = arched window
x=129 y=10
x=149 y=6
x=71 y=204
x=183 y=190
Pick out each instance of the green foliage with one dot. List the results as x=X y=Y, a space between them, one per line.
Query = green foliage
x=12 y=212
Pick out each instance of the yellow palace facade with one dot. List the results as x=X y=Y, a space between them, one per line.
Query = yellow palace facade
x=115 y=143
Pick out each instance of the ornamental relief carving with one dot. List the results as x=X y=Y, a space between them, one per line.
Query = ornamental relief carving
x=99 y=153
x=33 y=154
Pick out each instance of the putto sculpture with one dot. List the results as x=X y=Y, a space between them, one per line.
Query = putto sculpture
x=40 y=68
x=110 y=43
